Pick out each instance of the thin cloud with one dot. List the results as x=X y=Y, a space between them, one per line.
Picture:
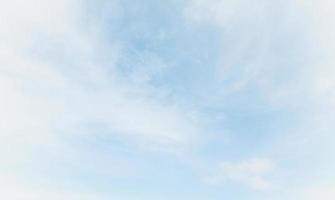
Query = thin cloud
x=251 y=173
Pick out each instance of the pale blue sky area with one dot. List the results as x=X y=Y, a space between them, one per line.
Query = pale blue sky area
x=160 y=100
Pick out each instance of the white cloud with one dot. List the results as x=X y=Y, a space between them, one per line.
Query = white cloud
x=12 y=188
x=40 y=94
x=225 y=12
x=245 y=28
x=56 y=75
x=251 y=173
x=284 y=48
x=324 y=193
x=310 y=191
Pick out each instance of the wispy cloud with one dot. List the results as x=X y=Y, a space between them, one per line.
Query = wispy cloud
x=101 y=91
x=250 y=173
x=58 y=79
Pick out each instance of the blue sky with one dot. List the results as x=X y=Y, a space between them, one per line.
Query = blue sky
x=160 y=100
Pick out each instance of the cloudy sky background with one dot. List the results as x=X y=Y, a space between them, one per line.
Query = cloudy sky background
x=158 y=100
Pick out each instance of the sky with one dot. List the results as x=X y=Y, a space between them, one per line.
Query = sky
x=161 y=100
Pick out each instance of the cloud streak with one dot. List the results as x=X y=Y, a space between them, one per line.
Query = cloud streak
x=97 y=91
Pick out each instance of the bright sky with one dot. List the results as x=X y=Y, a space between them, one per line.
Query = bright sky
x=167 y=100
